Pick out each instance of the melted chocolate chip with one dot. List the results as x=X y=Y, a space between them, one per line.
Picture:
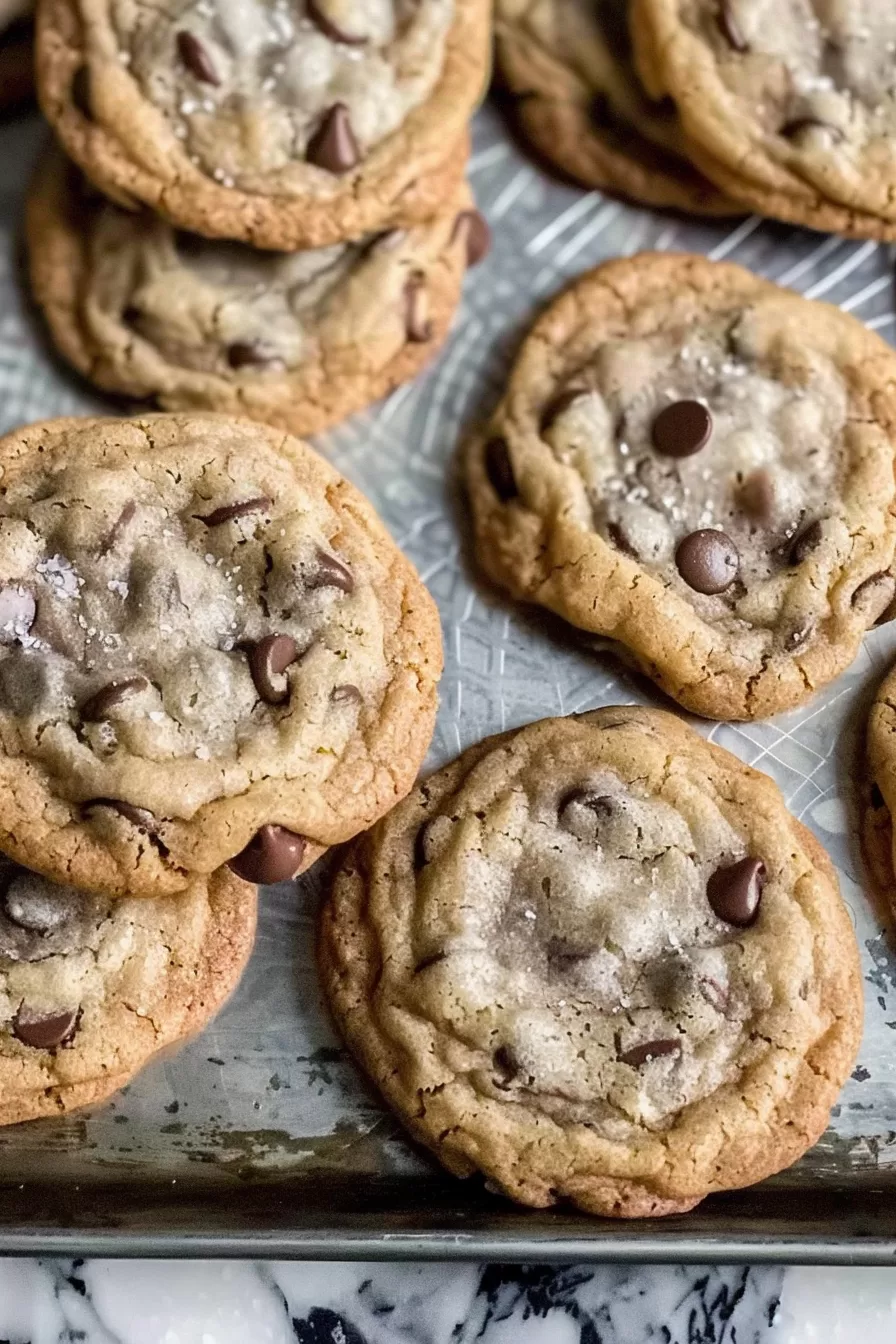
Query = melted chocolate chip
x=196 y=58
x=333 y=146
x=38 y=918
x=141 y=817
x=81 y=92
x=708 y=561
x=639 y=1055
x=798 y=635
x=681 y=429
x=734 y=892
x=18 y=610
x=45 y=1031
x=330 y=29
x=792 y=130
x=330 y=573
x=272 y=855
x=345 y=695
x=421 y=858
x=499 y=469
x=806 y=542
x=108 y=697
x=557 y=405
x=875 y=594
x=473 y=226
x=253 y=355
x=268 y=660
x=730 y=28
x=417 y=322
x=227 y=512
x=506 y=1065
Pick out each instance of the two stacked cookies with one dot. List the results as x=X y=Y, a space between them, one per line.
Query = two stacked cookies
x=214 y=663
x=284 y=226
x=714 y=106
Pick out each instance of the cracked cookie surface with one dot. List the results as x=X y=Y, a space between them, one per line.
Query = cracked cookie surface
x=790 y=107
x=91 y=988
x=699 y=466
x=210 y=651
x=300 y=340
x=568 y=63
x=281 y=123
x=597 y=960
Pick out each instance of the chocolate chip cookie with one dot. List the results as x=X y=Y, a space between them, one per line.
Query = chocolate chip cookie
x=92 y=988
x=282 y=123
x=698 y=465
x=569 y=65
x=597 y=960
x=297 y=339
x=210 y=651
x=788 y=107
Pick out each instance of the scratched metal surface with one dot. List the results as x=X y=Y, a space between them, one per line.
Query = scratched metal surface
x=266 y=1089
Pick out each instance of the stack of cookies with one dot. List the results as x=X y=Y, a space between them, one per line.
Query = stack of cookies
x=284 y=224
x=214 y=664
x=714 y=106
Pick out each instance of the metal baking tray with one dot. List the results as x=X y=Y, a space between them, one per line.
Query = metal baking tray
x=260 y=1138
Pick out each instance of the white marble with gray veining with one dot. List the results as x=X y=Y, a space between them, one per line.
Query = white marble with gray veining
x=209 y=1302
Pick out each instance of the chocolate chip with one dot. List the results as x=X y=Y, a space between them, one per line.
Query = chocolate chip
x=333 y=146
x=268 y=660
x=39 y=918
x=196 y=58
x=272 y=855
x=330 y=573
x=708 y=561
x=473 y=226
x=735 y=891
x=45 y=1031
x=254 y=355
x=421 y=856
x=875 y=594
x=111 y=695
x=557 y=405
x=506 y=1065
x=806 y=542
x=227 y=512
x=643 y=1054
x=730 y=28
x=330 y=29
x=118 y=527
x=798 y=635
x=681 y=429
x=499 y=469
x=417 y=322
x=17 y=612
x=757 y=496
x=81 y=92
x=35 y=904
x=141 y=817
x=792 y=130
x=345 y=695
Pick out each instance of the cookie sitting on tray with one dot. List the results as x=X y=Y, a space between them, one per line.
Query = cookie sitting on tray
x=598 y=961
x=287 y=125
x=699 y=465
x=788 y=107
x=91 y=988
x=568 y=64
x=296 y=339
x=210 y=651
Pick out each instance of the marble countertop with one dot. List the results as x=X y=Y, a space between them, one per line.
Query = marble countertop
x=208 y=1302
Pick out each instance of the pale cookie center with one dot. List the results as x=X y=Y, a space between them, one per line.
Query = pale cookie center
x=591 y=942
x=252 y=86
x=820 y=73
x=699 y=461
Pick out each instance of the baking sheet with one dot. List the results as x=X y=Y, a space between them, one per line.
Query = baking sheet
x=260 y=1135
